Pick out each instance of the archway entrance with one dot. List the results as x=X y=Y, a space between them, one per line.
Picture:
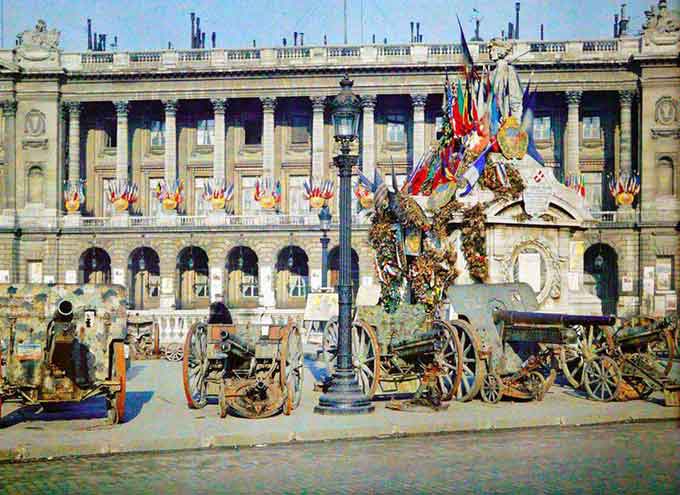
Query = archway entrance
x=292 y=277
x=144 y=282
x=602 y=275
x=95 y=266
x=192 y=291
x=334 y=269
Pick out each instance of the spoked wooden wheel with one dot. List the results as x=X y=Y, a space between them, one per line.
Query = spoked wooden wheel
x=329 y=345
x=536 y=385
x=222 y=401
x=574 y=356
x=116 y=406
x=449 y=358
x=473 y=366
x=365 y=357
x=602 y=378
x=195 y=366
x=292 y=369
x=492 y=388
x=174 y=352
x=663 y=351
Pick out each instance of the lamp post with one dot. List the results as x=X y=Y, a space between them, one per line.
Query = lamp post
x=344 y=395
x=325 y=218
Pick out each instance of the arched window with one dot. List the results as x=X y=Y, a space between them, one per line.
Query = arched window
x=292 y=277
x=144 y=278
x=35 y=185
x=243 y=277
x=192 y=268
x=665 y=176
x=95 y=266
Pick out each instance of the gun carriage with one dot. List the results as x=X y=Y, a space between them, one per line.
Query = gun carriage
x=403 y=353
x=256 y=372
x=63 y=343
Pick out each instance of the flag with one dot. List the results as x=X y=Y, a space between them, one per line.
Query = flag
x=495 y=115
x=528 y=101
x=467 y=56
x=474 y=172
x=502 y=174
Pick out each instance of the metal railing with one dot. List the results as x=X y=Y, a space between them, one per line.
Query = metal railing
x=349 y=51
x=601 y=46
x=243 y=54
x=145 y=57
x=548 y=46
x=394 y=50
x=444 y=50
x=195 y=56
x=96 y=58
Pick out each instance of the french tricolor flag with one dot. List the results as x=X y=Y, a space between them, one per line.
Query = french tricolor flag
x=475 y=171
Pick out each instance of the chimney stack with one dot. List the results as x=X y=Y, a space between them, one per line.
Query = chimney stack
x=616 y=25
x=284 y=42
x=202 y=40
x=295 y=38
x=302 y=39
x=411 y=31
x=89 y=34
x=373 y=38
x=214 y=39
x=418 y=38
x=510 y=31
x=516 y=21
x=325 y=40
x=541 y=32
x=193 y=29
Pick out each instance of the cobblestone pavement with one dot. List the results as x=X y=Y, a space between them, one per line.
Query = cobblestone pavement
x=637 y=458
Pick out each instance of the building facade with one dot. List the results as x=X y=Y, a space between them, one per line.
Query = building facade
x=606 y=108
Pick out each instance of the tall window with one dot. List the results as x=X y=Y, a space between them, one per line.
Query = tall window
x=157 y=128
x=591 y=127
x=542 y=128
x=300 y=129
x=297 y=204
x=252 y=127
x=205 y=131
x=665 y=176
x=593 y=185
x=110 y=127
x=34 y=272
x=297 y=286
x=248 y=204
x=396 y=128
x=664 y=273
x=249 y=285
x=153 y=205
x=201 y=207
x=107 y=207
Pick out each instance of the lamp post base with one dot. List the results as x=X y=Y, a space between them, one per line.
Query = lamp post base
x=344 y=397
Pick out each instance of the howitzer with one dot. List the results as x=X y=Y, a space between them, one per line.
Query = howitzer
x=424 y=344
x=565 y=320
x=232 y=343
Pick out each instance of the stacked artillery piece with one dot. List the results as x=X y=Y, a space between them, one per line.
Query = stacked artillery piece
x=255 y=371
x=63 y=343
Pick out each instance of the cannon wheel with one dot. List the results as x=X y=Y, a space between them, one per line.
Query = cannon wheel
x=664 y=349
x=116 y=406
x=536 y=385
x=449 y=358
x=574 y=356
x=602 y=378
x=492 y=388
x=329 y=344
x=473 y=366
x=292 y=369
x=174 y=352
x=195 y=366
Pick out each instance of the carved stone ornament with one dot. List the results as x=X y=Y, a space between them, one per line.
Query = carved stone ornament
x=34 y=125
x=661 y=27
x=552 y=286
x=666 y=111
x=38 y=44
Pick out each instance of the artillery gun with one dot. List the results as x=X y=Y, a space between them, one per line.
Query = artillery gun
x=63 y=343
x=255 y=371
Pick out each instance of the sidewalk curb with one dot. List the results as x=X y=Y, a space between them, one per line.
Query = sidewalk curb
x=28 y=453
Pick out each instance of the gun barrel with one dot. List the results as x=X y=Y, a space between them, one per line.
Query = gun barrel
x=528 y=317
x=64 y=311
x=237 y=343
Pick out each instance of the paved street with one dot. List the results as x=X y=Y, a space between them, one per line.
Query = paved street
x=640 y=458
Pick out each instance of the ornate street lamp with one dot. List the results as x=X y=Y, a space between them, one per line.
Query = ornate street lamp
x=344 y=395
x=325 y=218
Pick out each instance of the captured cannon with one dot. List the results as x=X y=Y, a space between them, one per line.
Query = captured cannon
x=405 y=353
x=63 y=343
x=255 y=371
x=509 y=346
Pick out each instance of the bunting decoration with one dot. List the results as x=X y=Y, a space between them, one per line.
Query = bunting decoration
x=576 y=183
x=370 y=192
x=122 y=194
x=625 y=189
x=218 y=194
x=318 y=195
x=74 y=195
x=170 y=194
x=268 y=193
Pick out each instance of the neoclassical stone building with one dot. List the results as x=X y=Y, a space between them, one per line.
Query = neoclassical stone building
x=606 y=107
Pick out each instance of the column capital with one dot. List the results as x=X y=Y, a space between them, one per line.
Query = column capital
x=122 y=107
x=73 y=108
x=170 y=107
x=368 y=101
x=9 y=107
x=573 y=97
x=318 y=103
x=268 y=103
x=419 y=100
x=626 y=96
x=219 y=104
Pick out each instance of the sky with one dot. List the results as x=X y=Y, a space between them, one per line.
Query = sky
x=150 y=24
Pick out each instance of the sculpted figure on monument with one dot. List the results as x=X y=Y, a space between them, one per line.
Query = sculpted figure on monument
x=506 y=85
x=38 y=44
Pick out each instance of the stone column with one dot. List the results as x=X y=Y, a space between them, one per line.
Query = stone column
x=268 y=107
x=626 y=98
x=9 y=110
x=368 y=135
x=219 y=164
x=573 y=141
x=418 y=127
x=73 y=140
x=318 y=146
x=170 y=162
x=122 y=108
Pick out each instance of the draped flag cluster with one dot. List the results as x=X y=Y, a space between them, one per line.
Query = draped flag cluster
x=478 y=121
x=74 y=194
x=121 y=189
x=318 y=194
x=217 y=193
x=267 y=192
x=576 y=183
x=170 y=193
x=625 y=188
